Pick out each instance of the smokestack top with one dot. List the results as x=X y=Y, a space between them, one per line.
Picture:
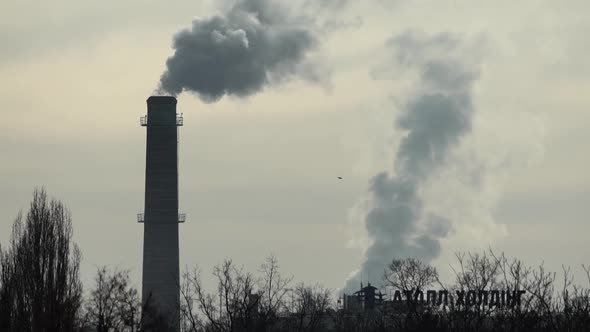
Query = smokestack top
x=161 y=100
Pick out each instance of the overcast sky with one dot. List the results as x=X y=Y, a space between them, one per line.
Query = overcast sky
x=258 y=173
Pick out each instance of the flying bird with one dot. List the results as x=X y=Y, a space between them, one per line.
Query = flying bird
x=340 y=178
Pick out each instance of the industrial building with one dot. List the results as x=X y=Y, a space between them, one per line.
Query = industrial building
x=366 y=299
x=369 y=299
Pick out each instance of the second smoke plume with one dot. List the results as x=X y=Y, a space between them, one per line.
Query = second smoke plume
x=434 y=120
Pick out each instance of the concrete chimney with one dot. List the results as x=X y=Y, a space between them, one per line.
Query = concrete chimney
x=161 y=277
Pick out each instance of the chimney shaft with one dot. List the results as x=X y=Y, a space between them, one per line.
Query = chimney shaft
x=161 y=275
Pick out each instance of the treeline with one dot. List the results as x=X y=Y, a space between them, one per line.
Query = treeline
x=40 y=290
x=527 y=298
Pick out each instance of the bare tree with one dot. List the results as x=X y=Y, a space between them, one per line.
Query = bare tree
x=475 y=274
x=191 y=294
x=544 y=305
x=410 y=274
x=311 y=307
x=230 y=309
x=242 y=302
x=272 y=290
x=7 y=290
x=40 y=287
x=113 y=305
x=411 y=277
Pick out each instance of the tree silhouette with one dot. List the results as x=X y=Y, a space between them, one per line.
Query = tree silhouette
x=243 y=301
x=113 y=305
x=40 y=289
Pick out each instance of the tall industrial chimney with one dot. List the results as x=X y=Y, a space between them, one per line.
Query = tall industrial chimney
x=160 y=282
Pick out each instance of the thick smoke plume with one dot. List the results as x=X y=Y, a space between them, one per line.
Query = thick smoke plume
x=255 y=43
x=434 y=120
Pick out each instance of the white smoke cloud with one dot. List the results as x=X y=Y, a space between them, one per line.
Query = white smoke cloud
x=450 y=162
x=434 y=119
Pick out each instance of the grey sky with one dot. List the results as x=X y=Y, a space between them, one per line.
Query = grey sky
x=258 y=175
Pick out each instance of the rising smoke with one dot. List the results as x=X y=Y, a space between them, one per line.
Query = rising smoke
x=253 y=44
x=434 y=120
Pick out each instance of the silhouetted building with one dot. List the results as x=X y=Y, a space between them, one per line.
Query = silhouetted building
x=366 y=299
x=160 y=218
